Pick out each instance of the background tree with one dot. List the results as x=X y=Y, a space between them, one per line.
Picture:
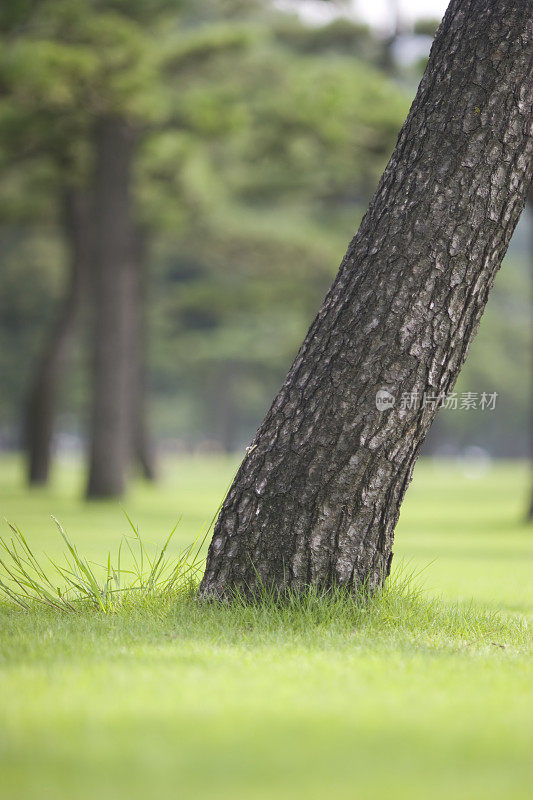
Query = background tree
x=39 y=83
x=42 y=400
x=96 y=74
x=116 y=309
x=530 y=207
x=258 y=149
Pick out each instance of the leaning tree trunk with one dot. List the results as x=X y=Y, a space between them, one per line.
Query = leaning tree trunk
x=115 y=312
x=317 y=497
x=42 y=402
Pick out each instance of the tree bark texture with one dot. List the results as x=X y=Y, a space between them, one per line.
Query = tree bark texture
x=115 y=310
x=42 y=401
x=317 y=497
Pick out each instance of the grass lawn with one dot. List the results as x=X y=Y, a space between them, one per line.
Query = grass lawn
x=411 y=696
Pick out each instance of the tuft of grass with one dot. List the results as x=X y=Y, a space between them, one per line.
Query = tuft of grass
x=400 y=611
x=75 y=582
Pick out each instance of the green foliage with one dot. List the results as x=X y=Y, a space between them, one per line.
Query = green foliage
x=250 y=147
x=107 y=587
x=319 y=129
x=426 y=27
x=341 y=36
x=261 y=140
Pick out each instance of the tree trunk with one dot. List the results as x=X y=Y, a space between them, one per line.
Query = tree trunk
x=116 y=314
x=388 y=60
x=41 y=409
x=143 y=451
x=317 y=497
x=222 y=411
x=529 y=516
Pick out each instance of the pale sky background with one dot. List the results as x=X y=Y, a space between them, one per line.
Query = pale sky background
x=377 y=13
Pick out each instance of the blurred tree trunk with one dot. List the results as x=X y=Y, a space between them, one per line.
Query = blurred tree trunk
x=388 y=60
x=143 y=450
x=530 y=204
x=42 y=402
x=222 y=407
x=318 y=495
x=116 y=312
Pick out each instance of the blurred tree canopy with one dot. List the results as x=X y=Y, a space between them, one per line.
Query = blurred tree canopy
x=258 y=142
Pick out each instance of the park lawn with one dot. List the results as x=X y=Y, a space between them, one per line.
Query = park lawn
x=408 y=697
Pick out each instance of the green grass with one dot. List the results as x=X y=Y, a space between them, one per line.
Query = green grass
x=417 y=694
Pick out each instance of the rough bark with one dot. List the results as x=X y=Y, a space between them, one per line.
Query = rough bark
x=42 y=401
x=115 y=312
x=317 y=497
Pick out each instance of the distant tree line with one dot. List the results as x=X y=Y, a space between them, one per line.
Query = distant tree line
x=179 y=180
